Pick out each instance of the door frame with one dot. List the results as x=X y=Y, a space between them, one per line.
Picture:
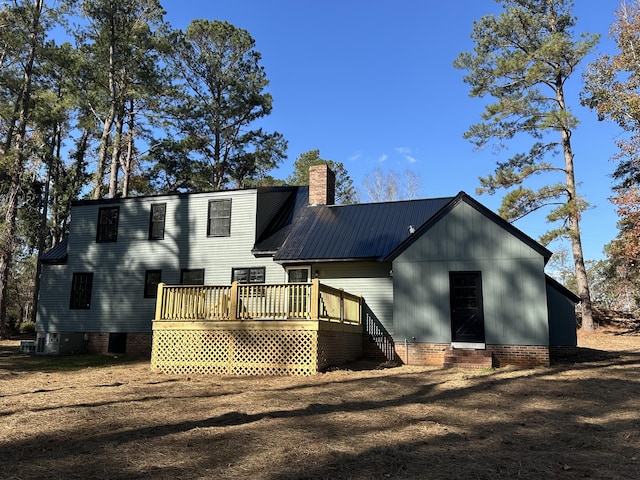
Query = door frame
x=297 y=267
x=296 y=302
x=479 y=341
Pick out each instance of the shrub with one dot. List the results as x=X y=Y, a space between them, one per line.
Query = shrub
x=27 y=327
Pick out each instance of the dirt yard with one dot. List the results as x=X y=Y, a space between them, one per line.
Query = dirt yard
x=110 y=418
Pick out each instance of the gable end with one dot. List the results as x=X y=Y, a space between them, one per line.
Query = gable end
x=495 y=218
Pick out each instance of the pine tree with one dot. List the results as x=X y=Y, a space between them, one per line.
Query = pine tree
x=213 y=141
x=522 y=59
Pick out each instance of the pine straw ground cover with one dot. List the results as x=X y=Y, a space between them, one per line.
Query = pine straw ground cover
x=110 y=418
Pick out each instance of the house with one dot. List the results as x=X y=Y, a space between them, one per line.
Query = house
x=439 y=280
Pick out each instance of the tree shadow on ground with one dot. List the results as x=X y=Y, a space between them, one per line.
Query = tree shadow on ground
x=12 y=359
x=583 y=355
x=394 y=424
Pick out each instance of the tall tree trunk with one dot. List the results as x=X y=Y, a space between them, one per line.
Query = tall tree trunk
x=127 y=164
x=574 y=223
x=110 y=118
x=98 y=178
x=115 y=158
x=61 y=200
x=19 y=126
x=42 y=237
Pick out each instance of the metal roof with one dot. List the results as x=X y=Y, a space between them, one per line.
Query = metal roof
x=358 y=231
x=57 y=254
x=280 y=228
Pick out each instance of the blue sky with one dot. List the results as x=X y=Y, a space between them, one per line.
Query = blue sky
x=371 y=84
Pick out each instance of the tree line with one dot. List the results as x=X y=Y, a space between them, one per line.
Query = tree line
x=104 y=99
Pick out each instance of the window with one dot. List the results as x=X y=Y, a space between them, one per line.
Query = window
x=156 y=221
x=81 y=290
x=192 y=276
x=108 y=224
x=248 y=275
x=298 y=274
x=219 y=220
x=151 y=280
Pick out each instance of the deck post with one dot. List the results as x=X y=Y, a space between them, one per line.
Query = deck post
x=315 y=299
x=342 y=305
x=159 y=301
x=233 y=303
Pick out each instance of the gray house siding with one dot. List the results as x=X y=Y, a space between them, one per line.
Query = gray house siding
x=562 y=318
x=118 y=303
x=513 y=281
x=372 y=280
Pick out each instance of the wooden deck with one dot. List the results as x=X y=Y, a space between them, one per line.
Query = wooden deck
x=282 y=301
x=255 y=329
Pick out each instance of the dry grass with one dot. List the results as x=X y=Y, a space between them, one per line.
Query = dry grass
x=111 y=418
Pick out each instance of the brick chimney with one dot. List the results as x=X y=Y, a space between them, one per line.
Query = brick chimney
x=322 y=185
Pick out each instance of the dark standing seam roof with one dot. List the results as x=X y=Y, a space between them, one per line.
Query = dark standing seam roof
x=278 y=230
x=367 y=230
x=57 y=254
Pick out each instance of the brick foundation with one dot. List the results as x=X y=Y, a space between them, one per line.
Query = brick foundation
x=421 y=353
x=137 y=343
x=98 y=343
x=520 y=355
x=434 y=354
x=563 y=353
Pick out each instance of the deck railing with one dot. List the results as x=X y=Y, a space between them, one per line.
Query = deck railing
x=282 y=301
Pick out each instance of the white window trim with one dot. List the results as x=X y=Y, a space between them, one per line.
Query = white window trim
x=298 y=267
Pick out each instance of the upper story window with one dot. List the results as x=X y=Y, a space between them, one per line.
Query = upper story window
x=192 y=276
x=81 y=285
x=156 y=221
x=219 y=219
x=248 y=275
x=108 y=224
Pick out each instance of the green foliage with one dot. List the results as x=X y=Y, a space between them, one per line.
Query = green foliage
x=612 y=89
x=345 y=191
x=90 y=105
x=220 y=94
x=522 y=60
x=121 y=79
x=27 y=327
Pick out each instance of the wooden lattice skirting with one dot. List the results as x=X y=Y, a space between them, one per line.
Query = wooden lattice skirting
x=253 y=347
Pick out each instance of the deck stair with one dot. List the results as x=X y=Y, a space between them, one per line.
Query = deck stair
x=467 y=358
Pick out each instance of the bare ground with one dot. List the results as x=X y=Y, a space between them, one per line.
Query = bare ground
x=111 y=418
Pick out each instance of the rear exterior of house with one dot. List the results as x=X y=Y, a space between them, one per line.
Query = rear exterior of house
x=492 y=290
x=100 y=292
x=435 y=276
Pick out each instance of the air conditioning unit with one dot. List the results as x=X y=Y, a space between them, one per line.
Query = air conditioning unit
x=28 y=346
x=60 y=343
